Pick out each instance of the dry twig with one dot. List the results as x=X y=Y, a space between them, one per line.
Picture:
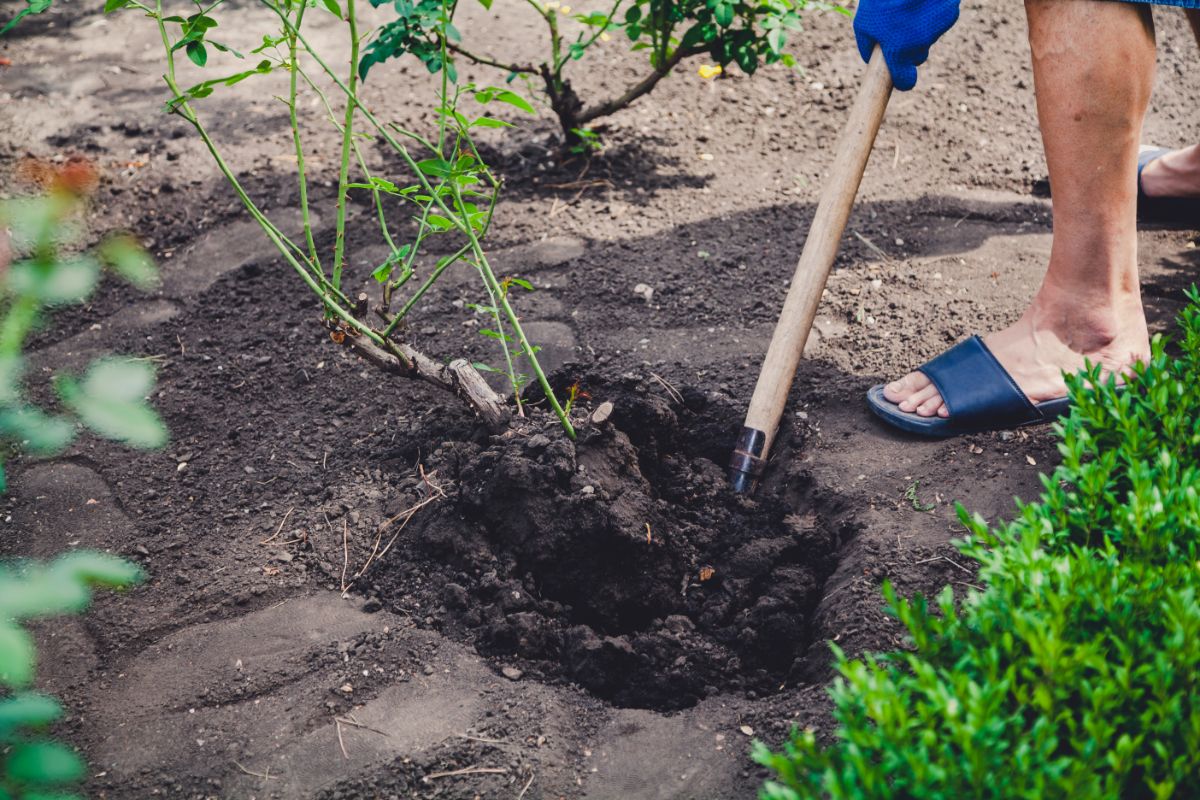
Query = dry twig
x=282 y=522
x=341 y=743
x=266 y=776
x=436 y=493
x=466 y=771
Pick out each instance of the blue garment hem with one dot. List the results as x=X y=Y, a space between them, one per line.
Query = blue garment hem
x=1192 y=4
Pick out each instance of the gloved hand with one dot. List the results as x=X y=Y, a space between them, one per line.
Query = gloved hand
x=904 y=30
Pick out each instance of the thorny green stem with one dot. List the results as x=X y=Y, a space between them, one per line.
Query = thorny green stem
x=489 y=278
x=520 y=69
x=463 y=226
x=508 y=359
x=302 y=177
x=185 y=110
x=339 y=246
x=462 y=251
x=375 y=193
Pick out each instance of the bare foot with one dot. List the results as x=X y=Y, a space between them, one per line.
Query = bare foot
x=1175 y=174
x=1046 y=341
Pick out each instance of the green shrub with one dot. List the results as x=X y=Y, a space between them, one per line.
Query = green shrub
x=745 y=33
x=1075 y=672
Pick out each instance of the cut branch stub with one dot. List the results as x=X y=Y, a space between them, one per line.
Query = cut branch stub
x=458 y=377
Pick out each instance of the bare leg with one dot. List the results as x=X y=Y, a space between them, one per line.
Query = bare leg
x=1176 y=174
x=1093 y=69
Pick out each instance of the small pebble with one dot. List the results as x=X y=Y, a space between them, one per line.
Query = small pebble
x=589 y=490
x=602 y=412
x=512 y=673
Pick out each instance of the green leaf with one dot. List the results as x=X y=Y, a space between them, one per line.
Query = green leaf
x=55 y=283
x=130 y=260
x=32 y=7
x=17 y=655
x=39 y=432
x=438 y=222
x=435 y=167
x=224 y=48
x=333 y=8
x=44 y=763
x=487 y=4
x=776 y=39
x=97 y=569
x=487 y=95
x=490 y=122
x=110 y=401
x=12 y=370
x=114 y=5
x=39 y=592
x=119 y=379
x=28 y=709
x=524 y=284
x=196 y=52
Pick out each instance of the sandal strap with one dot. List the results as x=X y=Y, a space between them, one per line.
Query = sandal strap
x=976 y=389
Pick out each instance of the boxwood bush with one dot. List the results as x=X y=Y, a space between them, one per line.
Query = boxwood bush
x=1075 y=671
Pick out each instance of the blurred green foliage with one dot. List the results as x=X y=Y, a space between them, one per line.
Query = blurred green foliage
x=50 y=271
x=35 y=767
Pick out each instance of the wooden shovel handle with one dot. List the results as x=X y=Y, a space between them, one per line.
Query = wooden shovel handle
x=820 y=249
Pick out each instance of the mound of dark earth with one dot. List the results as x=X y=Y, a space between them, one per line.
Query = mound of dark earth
x=620 y=561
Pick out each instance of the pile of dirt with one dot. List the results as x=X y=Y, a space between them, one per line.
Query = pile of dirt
x=619 y=561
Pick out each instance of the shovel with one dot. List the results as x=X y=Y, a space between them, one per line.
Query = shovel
x=804 y=295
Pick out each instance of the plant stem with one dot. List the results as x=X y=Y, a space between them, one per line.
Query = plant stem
x=640 y=88
x=16 y=325
x=463 y=226
x=295 y=122
x=520 y=69
x=441 y=267
x=489 y=278
x=339 y=246
x=508 y=359
x=185 y=110
x=375 y=193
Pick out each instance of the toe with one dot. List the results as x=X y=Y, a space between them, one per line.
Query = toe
x=914 y=400
x=931 y=406
x=901 y=390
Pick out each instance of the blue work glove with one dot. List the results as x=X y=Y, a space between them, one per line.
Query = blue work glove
x=904 y=30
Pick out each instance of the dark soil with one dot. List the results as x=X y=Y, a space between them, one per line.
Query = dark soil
x=599 y=618
x=621 y=561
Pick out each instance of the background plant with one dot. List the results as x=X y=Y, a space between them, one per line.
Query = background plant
x=34 y=766
x=51 y=272
x=1076 y=671
x=448 y=190
x=48 y=272
x=745 y=33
